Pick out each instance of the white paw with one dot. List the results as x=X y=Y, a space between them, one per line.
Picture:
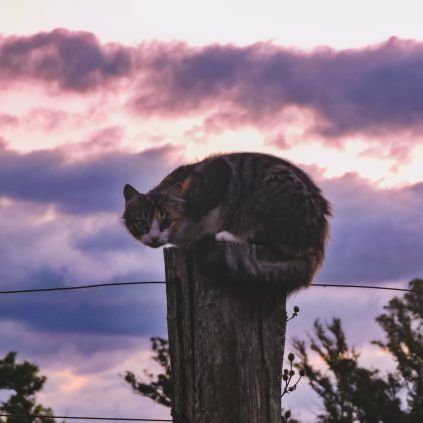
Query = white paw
x=226 y=237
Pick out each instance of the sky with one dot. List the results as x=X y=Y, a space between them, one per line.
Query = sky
x=97 y=94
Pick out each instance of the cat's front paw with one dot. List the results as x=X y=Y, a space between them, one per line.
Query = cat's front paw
x=226 y=236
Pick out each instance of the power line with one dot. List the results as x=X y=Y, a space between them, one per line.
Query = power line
x=76 y=287
x=23 y=416
x=387 y=288
x=112 y=284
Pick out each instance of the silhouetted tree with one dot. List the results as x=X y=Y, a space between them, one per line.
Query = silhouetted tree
x=351 y=393
x=159 y=387
x=25 y=381
x=402 y=323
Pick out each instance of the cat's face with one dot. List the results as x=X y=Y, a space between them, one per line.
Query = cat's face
x=151 y=220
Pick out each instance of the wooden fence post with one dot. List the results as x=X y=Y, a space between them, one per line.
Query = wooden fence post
x=226 y=346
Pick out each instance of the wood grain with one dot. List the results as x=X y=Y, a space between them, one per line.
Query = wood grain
x=226 y=345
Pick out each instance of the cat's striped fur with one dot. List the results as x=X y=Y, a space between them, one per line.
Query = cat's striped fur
x=251 y=198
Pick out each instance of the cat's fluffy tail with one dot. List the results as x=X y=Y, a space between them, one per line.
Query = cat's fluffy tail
x=251 y=264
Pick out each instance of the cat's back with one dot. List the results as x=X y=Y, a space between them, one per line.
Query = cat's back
x=257 y=184
x=251 y=171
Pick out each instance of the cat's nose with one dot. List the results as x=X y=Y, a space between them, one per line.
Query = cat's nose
x=154 y=238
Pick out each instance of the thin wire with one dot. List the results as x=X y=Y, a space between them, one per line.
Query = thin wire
x=22 y=416
x=106 y=285
x=68 y=288
x=366 y=287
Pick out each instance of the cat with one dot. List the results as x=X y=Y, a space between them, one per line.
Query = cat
x=250 y=198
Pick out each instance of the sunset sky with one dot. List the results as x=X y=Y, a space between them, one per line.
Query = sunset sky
x=95 y=94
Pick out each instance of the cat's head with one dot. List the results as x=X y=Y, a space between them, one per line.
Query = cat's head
x=152 y=218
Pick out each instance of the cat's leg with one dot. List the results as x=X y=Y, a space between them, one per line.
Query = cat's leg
x=226 y=236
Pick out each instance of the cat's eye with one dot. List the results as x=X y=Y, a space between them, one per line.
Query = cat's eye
x=141 y=223
x=165 y=223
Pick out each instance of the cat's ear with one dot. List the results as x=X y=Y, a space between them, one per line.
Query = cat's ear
x=130 y=193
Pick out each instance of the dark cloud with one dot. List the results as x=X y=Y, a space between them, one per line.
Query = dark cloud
x=69 y=250
x=373 y=90
x=375 y=235
x=83 y=242
x=85 y=186
x=100 y=315
x=114 y=311
x=370 y=90
x=74 y=61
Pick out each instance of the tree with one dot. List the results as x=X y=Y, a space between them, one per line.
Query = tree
x=403 y=326
x=25 y=381
x=351 y=393
x=159 y=389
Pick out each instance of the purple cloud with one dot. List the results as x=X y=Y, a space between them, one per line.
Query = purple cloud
x=376 y=234
x=373 y=90
x=75 y=250
x=61 y=225
x=122 y=312
x=72 y=61
x=85 y=186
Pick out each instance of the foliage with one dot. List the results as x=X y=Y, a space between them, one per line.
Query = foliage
x=351 y=393
x=403 y=326
x=25 y=381
x=159 y=388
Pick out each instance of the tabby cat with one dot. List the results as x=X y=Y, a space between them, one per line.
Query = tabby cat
x=249 y=198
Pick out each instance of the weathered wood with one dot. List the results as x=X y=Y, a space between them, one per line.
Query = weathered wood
x=226 y=346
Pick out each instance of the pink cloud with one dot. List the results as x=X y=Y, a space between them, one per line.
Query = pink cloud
x=8 y=120
x=374 y=92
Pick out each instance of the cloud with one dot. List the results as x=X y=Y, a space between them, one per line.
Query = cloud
x=7 y=119
x=42 y=250
x=370 y=90
x=60 y=226
x=72 y=61
x=93 y=184
x=84 y=370
x=104 y=312
x=47 y=119
x=375 y=238
x=376 y=234
x=373 y=90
